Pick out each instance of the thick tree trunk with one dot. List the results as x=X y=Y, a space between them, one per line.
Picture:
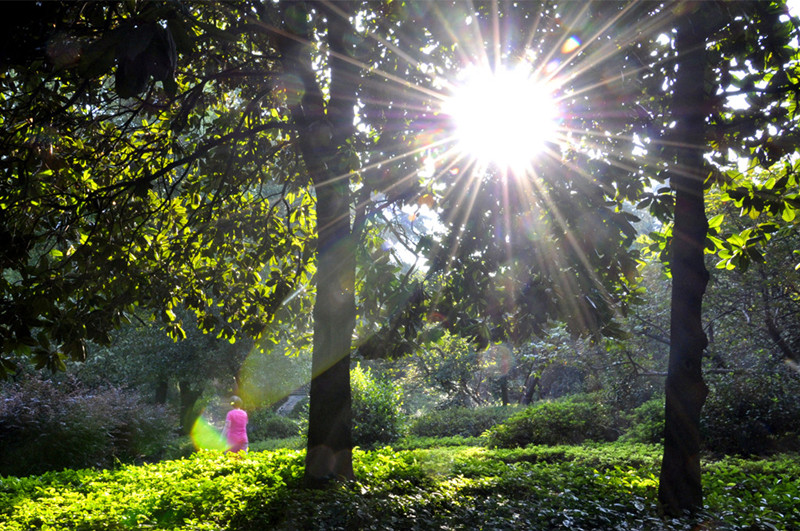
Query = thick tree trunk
x=330 y=440
x=680 y=487
x=325 y=127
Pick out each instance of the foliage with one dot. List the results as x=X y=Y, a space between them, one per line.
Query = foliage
x=50 y=425
x=459 y=421
x=600 y=486
x=377 y=408
x=161 y=174
x=128 y=187
x=263 y=424
x=753 y=413
x=143 y=354
x=571 y=420
x=646 y=423
x=178 y=448
x=410 y=442
x=297 y=442
x=271 y=373
x=452 y=366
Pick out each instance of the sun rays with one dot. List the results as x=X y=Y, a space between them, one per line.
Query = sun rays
x=501 y=106
x=516 y=95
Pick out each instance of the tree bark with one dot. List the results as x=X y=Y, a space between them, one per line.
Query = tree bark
x=530 y=386
x=680 y=487
x=330 y=440
x=324 y=129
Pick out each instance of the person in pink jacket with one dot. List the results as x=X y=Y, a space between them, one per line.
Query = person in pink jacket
x=235 y=431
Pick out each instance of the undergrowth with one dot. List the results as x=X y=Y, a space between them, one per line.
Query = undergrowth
x=596 y=486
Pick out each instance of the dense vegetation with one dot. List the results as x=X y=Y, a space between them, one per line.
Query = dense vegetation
x=191 y=190
x=600 y=486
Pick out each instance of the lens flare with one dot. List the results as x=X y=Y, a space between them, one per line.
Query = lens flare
x=206 y=437
x=571 y=44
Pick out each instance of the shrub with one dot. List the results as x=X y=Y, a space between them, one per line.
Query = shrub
x=413 y=442
x=460 y=421
x=263 y=424
x=48 y=425
x=377 y=415
x=292 y=443
x=598 y=486
x=754 y=413
x=178 y=448
x=572 y=420
x=646 y=423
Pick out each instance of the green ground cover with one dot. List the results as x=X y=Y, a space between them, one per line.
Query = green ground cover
x=596 y=486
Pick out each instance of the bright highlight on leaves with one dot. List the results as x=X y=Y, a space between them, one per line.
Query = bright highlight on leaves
x=502 y=117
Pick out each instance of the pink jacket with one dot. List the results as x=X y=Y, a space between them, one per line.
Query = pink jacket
x=236 y=421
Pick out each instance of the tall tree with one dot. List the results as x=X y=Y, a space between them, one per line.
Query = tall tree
x=679 y=485
x=325 y=128
x=712 y=41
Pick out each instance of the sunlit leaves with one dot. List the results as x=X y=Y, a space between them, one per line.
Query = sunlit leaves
x=107 y=204
x=592 y=487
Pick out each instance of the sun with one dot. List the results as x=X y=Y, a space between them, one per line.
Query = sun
x=502 y=117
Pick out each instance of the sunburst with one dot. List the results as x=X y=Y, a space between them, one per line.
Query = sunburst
x=502 y=117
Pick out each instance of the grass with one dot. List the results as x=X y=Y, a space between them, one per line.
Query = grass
x=597 y=486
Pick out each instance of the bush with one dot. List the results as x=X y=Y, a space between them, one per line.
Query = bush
x=377 y=415
x=572 y=420
x=756 y=413
x=646 y=423
x=292 y=443
x=263 y=424
x=460 y=421
x=47 y=425
x=414 y=442
x=598 y=486
x=178 y=448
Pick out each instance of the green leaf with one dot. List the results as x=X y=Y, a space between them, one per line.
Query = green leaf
x=716 y=221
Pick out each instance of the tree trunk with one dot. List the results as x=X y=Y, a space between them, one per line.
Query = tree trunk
x=787 y=353
x=329 y=422
x=530 y=386
x=504 y=390
x=161 y=392
x=324 y=131
x=188 y=399
x=680 y=487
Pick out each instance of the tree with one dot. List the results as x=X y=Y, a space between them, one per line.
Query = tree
x=162 y=155
x=324 y=130
x=679 y=486
x=142 y=355
x=122 y=191
x=165 y=181
x=766 y=45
